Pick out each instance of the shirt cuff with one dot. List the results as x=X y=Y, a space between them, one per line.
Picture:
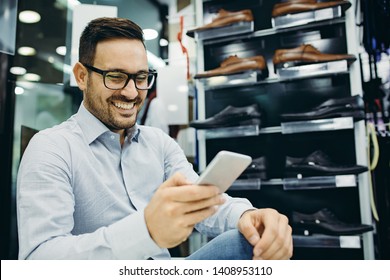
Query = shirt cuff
x=236 y=213
x=130 y=239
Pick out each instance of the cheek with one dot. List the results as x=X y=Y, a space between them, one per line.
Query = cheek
x=97 y=94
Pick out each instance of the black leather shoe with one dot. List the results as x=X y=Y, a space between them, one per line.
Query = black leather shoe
x=333 y=108
x=325 y=222
x=319 y=164
x=257 y=169
x=231 y=116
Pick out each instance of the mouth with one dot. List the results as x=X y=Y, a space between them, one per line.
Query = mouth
x=124 y=106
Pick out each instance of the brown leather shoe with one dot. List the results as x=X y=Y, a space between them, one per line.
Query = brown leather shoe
x=294 y=7
x=306 y=53
x=225 y=18
x=234 y=64
x=289 y=2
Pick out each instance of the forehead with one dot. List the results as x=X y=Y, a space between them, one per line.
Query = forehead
x=126 y=54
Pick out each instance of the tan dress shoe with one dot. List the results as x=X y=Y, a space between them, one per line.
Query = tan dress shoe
x=289 y=2
x=299 y=6
x=234 y=64
x=307 y=53
x=225 y=18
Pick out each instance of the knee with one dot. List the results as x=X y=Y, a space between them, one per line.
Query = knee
x=239 y=247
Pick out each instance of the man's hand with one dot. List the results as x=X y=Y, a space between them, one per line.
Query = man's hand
x=269 y=233
x=176 y=207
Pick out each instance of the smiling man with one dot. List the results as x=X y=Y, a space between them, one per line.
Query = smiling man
x=100 y=186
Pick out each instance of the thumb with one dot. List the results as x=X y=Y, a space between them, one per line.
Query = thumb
x=177 y=179
x=248 y=229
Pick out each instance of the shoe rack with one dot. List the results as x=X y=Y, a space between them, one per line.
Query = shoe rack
x=286 y=90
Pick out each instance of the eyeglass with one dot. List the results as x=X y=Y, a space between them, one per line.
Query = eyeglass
x=118 y=80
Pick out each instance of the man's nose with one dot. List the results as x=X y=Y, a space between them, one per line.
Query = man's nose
x=130 y=91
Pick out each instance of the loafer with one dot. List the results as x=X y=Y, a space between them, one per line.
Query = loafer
x=319 y=164
x=306 y=54
x=234 y=64
x=325 y=222
x=294 y=7
x=257 y=169
x=332 y=108
x=231 y=116
x=224 y=18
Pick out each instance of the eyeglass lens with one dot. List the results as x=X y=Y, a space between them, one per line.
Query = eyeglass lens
x=117 y=80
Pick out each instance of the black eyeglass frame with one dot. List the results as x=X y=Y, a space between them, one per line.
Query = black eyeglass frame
x=130 y=76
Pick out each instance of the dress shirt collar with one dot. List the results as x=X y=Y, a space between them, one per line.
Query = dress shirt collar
x=92 y=127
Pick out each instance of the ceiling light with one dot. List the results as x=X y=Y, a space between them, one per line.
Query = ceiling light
x=150 y=34
x=19 y=90
x=29 y=16
x=27 y=51
x=61 y=50
x=16 y=70
x=163 y=42
x=32 y=77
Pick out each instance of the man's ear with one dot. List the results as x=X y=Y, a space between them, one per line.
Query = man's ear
x=81 y=75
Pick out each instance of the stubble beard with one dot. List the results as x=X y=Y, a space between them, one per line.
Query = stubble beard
x=104 y=112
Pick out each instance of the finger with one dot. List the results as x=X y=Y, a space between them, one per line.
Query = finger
x=191 y=193
x=204 y=203
x=248 y=228
x=285 y=252
x=195 y=217
x=177 y=179
x=273 y=239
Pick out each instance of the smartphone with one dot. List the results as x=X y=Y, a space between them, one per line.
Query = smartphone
x=224 y=169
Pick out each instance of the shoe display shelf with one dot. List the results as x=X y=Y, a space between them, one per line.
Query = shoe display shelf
x=320 y=182
x=307 y=17
x=280 y=93
x=288 y=72
x=284 y=74
x=252 y=78
x=330 y=124
x=226 y=37
x=246 y=185
x=317 y=125
x=305 y=183
x=246 y=78
x=238 y=28
x=327 y=241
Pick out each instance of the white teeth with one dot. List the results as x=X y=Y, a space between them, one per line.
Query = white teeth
x=126 y=106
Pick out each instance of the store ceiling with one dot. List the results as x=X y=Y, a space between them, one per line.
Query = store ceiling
x=52 y=31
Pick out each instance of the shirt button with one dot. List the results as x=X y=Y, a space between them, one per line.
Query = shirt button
x=112 y=137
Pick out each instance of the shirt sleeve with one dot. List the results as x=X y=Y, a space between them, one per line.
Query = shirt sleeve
x=45 y=207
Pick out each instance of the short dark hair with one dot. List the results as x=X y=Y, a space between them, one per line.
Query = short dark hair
x=106 y=28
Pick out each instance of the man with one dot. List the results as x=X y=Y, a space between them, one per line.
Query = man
x=99 y=186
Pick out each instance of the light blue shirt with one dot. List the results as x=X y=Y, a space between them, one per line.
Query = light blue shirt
x=81 y=195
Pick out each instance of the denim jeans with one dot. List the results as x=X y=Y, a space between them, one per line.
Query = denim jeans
x=230 y=245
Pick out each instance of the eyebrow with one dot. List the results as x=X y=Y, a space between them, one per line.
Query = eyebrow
x=121 y=70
